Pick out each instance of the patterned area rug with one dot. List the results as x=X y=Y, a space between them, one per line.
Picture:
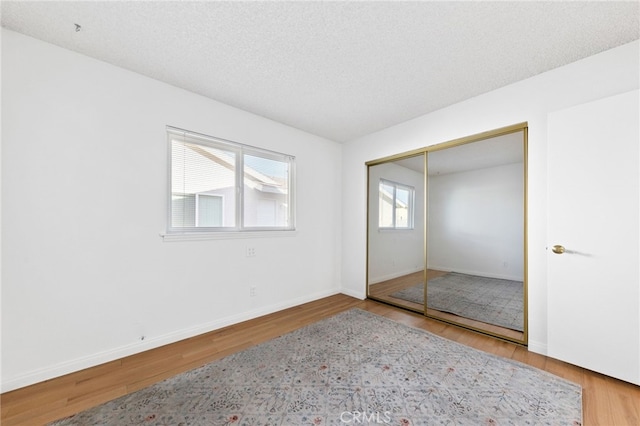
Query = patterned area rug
x=353 y=368
x=490 y=300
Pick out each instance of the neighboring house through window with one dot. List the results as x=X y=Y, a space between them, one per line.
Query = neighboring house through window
x=217 y=185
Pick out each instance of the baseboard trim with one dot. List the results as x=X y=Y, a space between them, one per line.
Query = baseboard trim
x=60 y=369
x=477 y=273
x=537 y=347
x=387 y=277
x=361 y=295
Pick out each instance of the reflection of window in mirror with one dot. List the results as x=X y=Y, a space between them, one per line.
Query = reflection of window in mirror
x=395 y=205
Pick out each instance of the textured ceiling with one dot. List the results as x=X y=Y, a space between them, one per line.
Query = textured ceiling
x=340 y=70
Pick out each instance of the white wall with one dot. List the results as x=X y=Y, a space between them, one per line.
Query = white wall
x=476 y=222
x=395 y=252
x=84 y=195
x=611 y=72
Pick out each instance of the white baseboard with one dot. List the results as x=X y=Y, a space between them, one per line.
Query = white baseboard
x=386 y=277
x=477 y=273
x=537 y=347
x=357 y=294
x=78 y=364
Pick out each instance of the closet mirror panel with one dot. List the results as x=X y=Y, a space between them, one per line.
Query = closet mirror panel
x=476 y=235
x=446 y=232
x=396 y=232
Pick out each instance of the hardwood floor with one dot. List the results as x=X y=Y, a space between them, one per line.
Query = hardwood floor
x=606 y=401
x=382 y=291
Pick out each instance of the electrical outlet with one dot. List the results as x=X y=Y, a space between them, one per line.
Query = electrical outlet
x=251 y=251
x=252 y=291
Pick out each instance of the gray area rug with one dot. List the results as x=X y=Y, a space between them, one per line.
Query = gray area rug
x=353 y=368
x=490 y=300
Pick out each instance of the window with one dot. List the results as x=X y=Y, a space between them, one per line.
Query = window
x=395 y=205
x=217 y=185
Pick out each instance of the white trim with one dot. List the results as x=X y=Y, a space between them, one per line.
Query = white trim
x=537 y=347
x=226 y=235
x=477 y=273
x=393 y=275
x=60 y=369
x=360 y=295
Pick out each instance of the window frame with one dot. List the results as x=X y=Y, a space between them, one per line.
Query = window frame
x=239 y=150
x=410 y=208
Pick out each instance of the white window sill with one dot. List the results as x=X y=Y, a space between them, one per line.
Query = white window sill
x=231 y=235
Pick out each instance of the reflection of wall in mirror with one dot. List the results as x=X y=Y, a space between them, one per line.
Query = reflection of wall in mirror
x=394 y=253
x=476 y=222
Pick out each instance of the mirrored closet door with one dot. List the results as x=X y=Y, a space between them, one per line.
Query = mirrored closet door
x=396 y=232
x=447 y=232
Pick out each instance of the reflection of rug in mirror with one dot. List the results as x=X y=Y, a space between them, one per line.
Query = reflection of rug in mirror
x=333 y=371
x=490 y=300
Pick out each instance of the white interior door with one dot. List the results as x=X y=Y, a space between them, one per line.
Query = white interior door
x=594 y=212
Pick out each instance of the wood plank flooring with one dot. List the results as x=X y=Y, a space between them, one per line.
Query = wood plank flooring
x=606 y=401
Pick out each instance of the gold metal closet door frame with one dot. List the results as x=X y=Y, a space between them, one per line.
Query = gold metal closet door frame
x=524 y=128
